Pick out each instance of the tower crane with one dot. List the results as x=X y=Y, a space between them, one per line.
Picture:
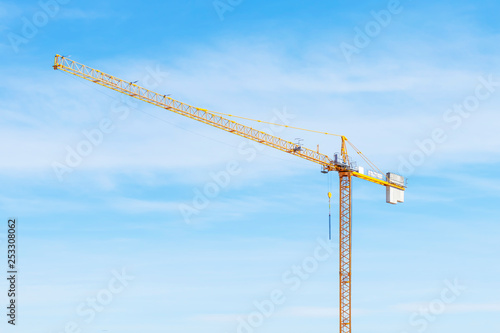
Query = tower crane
x=395 y=184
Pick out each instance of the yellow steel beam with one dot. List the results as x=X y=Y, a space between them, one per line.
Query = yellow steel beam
x=345 y=239
x=189 y=111
x=207 y=117
x=377 y=181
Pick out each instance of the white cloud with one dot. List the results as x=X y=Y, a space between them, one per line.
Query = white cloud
x=472 y=308
x=321 y=312
x=310 y=312
x=40 y=205
x=217 y=318
x=141 y=206
x=453 y=308
x=325 y=96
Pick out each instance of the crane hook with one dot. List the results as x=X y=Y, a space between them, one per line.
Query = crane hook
x=329 y=216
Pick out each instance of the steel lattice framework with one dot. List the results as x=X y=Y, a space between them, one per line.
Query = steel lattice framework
x=205 y=116
x=342 y=166
x=345 y=239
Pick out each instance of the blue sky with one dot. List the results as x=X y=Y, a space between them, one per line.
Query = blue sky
x=418 y=96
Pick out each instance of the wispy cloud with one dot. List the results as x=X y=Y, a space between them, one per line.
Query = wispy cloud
x=458 y=308
x=144 y=206
x=310 y=312
x=205 y=79
x=40 y=205
x=217 y=318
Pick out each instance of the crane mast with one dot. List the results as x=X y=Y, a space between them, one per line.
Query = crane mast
x=394 y=184
x=345 y=250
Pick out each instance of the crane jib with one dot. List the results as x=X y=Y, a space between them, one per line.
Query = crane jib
x=207 y=117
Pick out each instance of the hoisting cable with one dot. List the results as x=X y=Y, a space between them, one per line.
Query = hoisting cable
x=269 y=123
x=329 y=207
x=329 y=216
x=370 y=163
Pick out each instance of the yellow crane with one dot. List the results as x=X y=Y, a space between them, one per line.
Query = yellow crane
x=395 y=184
